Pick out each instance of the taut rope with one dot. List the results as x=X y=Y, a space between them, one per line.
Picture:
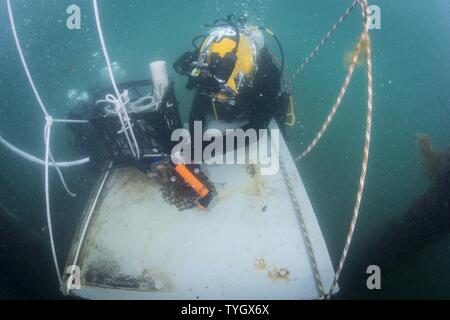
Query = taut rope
x=364 y=43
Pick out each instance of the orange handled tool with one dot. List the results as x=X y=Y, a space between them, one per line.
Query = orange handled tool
x=196 y=184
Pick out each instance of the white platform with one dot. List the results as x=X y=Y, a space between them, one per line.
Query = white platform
x=247 y=246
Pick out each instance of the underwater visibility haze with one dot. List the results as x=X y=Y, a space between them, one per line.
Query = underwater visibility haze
x=404 y=221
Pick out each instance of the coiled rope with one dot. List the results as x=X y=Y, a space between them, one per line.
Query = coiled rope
x=364 y=42
x=144 y=103
x=48 y=160
x=122 y=113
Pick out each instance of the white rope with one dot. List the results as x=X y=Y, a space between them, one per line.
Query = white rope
x=89 y=216
x=70 y=121
x=9 y=213
x=61 y=177
x=148 y=102
x=122 y=112
x=337 y=104
x=324 y=40
x=304 y=230
x=22 y=58
x=117 y=104
x=41 y=162
x=47 y=132
x=364 y=39
x=345 y=85
x=366 y=13
x=139 y=105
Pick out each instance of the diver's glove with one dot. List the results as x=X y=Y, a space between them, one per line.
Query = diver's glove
x=183 y=65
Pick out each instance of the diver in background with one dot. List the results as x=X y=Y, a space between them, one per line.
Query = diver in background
x=235 y=77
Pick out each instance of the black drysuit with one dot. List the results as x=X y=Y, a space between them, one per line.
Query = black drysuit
x=258 y=104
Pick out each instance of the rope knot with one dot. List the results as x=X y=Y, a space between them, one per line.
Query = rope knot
x=49 y=120
x=118 y=102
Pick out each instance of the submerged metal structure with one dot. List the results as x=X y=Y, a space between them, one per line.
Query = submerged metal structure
x=261 y=240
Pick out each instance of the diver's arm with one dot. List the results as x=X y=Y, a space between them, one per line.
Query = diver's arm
x=267 y=105
x=259 y=119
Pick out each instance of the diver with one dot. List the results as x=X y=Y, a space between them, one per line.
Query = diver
x=235 y=77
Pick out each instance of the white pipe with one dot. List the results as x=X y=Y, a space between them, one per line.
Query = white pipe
x=160 y=78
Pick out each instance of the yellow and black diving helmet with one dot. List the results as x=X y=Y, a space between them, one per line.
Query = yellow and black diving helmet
x=224 y=63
